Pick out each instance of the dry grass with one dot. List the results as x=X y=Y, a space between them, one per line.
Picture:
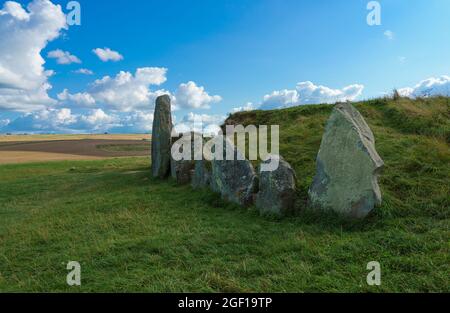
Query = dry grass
x=15 y=157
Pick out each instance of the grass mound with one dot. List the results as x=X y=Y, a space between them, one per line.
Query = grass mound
x=412 y=137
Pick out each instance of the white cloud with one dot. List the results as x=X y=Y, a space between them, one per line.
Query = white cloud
x=107 y=54
x=312 y=94
x=281 y=99
x=434 y=86
x=26 y=100
x=189 y=95
x=4 y=122
x=209 y=124
x=64 y=116
x=63 y=57
x=24 y=33
x=125 y=92
x=203 y=118
x=308 y=93
x=81 y=99
x=402 y=60
x=136 y=122
x=92 y=121
x=389 y=34
x=247 y=107
x=15 y=10
x=84 y=71
x=48 y=120
x=98 y=119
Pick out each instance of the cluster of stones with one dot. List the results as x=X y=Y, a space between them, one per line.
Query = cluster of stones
x=236 y=180
x=346 y=179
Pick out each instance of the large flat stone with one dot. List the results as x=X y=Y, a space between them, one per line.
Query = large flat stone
x=276 y=189
x=348 y=166
x=235 y=179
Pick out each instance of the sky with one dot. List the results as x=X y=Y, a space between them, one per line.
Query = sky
x=213 y=57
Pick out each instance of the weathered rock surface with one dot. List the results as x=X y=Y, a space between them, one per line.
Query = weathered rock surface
x=348 y=166
x=235 y=179
x=201 y=177
x=276 y=188
x=182 y=169
x=161 y=137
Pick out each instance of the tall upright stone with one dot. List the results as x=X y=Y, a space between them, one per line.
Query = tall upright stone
x=235 y=179
x=348 y=166
x=161 y=137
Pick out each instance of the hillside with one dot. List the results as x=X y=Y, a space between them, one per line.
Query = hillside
x=412 y=137
x=133 y=233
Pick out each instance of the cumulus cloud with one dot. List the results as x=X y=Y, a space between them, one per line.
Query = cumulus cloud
x=281 y=99
x=247 y=107
x=202 y=123
x=107 y=54
x=189 y=95
x=308 y=93
x=63 y=57
x=65 y=121
x=434 y=86
x=26 y=100
x=125 y=92
x=24 y=33
x=136 y=122
x=81 y=99
x=48 y=120
x=98 y=120
x=312 y=94
x=84 y=71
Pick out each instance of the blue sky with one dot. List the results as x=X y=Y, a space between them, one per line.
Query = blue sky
x=239 y=51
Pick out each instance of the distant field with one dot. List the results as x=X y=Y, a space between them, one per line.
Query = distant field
x=9 y=138
x=41 y=148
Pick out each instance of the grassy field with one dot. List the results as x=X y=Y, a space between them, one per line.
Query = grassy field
x=125 y=147
x=133 y=233
x=43 y=148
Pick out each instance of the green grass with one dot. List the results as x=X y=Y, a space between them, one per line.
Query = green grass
x=133 y=233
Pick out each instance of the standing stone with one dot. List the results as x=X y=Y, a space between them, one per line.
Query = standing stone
x=161 y=137
x=234 y=179
x=347 y=166
x=276 y=188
